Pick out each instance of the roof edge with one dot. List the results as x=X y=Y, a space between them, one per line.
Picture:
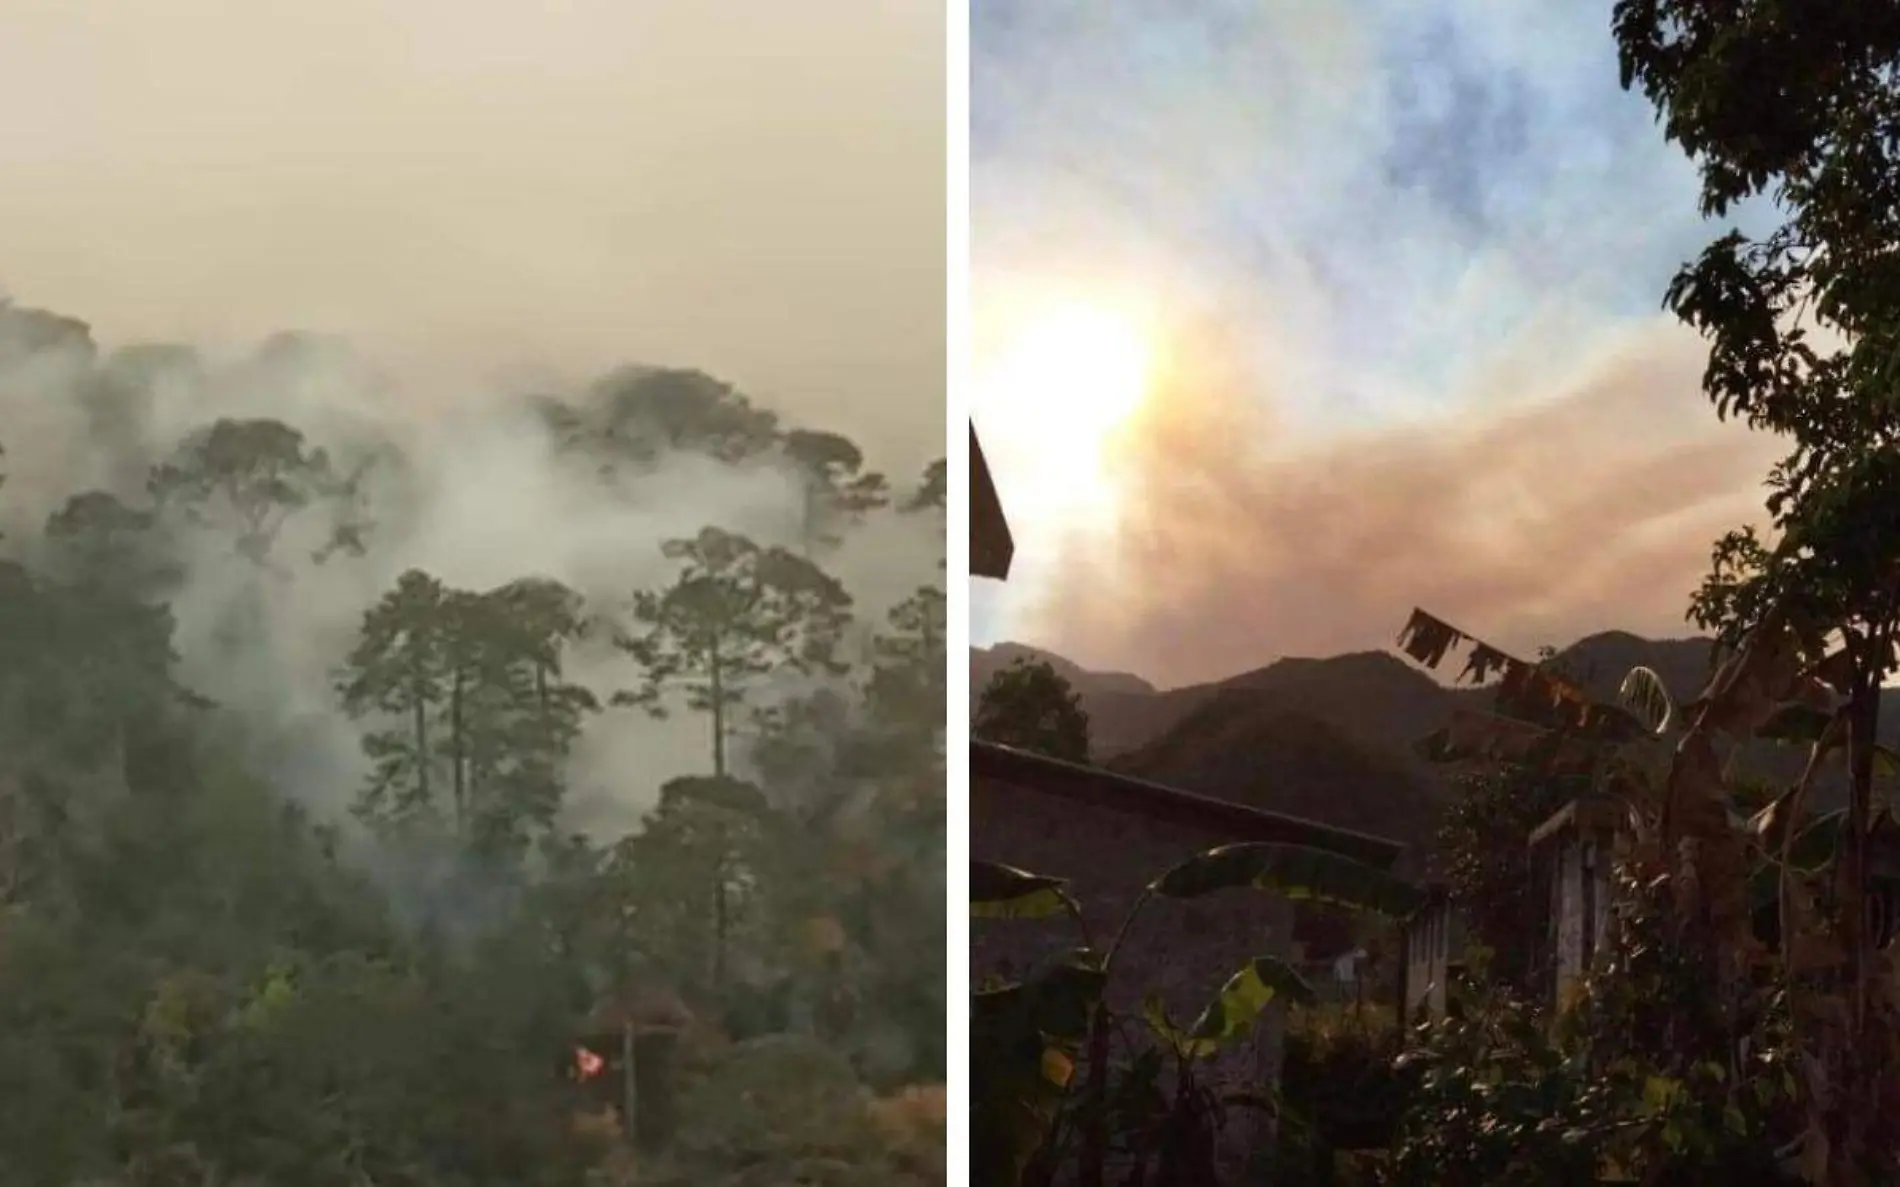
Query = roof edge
x=1241 y=822
x=992 y=547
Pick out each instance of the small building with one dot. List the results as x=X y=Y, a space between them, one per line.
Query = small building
x=991 y=547
x=1574 y=852
x=1111 y=835
x=1434 y=953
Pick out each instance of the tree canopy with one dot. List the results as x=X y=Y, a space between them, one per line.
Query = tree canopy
x=392 y=952
x=1030 y=706
x=1793 y=111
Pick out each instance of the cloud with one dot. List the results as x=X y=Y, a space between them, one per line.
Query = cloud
x=1407 y=261
x=1588 y=508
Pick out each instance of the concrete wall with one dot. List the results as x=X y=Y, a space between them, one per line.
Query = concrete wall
x=1184 y=951
x=1567 y=912
x=1428 y=945
x=1580 y=889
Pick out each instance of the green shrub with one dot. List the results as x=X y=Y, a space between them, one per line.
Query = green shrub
x=1644 y=1079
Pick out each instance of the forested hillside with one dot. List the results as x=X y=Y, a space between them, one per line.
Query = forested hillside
x=365 y=754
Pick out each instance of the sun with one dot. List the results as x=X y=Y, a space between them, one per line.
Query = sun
x=1057 y=387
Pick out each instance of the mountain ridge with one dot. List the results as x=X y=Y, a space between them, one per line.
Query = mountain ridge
x=1373 y=695
x=1333 y=738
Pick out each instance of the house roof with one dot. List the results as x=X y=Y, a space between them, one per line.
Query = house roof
x=1138 y=797
x=991 y=547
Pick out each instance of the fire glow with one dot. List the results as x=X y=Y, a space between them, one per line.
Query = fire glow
x=587 y=1065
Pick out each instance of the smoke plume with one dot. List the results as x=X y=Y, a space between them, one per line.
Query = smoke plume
x=470 y=489
x=1586 y=505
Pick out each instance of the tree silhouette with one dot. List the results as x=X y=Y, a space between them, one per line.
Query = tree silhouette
x=470 y=695
x=933 y=491
x=905 y=695
x=736 y=613
x=97 y=541
x=644 y=412
x=835 y=489
x=207 y=977
x=397 y=671
x=931 y=496
x=249 y=478
x=1794 y=108
x=1030 y=706
x=695 y=870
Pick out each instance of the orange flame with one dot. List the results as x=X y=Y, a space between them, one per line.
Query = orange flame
x=587 y=1065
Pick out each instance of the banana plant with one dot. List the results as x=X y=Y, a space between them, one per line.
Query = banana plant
x=1027 y=1036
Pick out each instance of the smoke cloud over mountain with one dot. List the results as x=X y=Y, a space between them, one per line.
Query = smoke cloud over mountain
x=1590 y=504
x=1403 y=264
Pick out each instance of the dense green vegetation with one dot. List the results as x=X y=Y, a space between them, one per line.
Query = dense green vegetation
x=1030 y=706
x=1062 y=1085
x=322 y=849
x=1745 y=1025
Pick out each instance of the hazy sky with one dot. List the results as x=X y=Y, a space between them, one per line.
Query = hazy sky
x=752 y=187
x=1407 y=261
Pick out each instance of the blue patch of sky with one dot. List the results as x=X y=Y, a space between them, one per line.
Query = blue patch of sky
x=1456 y=127
x=997 y=29
x=1530 y=171
x=1507 y=155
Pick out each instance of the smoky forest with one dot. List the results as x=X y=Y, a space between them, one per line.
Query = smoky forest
x=412 y=789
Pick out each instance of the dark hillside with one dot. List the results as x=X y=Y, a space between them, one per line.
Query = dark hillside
x=1245 y=745
x=1331 y=738
x=985 y=662
x=1372 y=697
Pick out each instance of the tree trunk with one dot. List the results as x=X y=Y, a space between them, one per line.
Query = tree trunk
x=716 y=682
x=419 y=699
x=458 y=752
x=1863 y=722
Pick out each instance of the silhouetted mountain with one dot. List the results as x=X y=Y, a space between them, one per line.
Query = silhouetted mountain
x=1332 y=739
x=1242 y=744
x=985 y=662
x=1369 y=696
x=1599 y=662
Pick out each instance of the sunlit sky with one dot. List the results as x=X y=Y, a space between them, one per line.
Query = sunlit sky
x=1386 y=277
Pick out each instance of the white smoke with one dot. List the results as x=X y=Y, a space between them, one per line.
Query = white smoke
x=468 y=487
